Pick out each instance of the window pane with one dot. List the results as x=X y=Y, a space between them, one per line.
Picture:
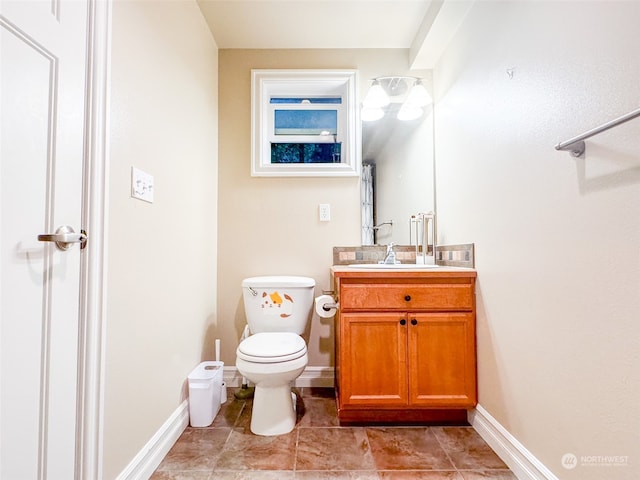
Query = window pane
x=299 y=100
x=305 y=152
x=306 y=122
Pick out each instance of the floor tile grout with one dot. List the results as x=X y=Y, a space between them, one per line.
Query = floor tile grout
x=445 y=450
x=295 y=455
x=242 y=455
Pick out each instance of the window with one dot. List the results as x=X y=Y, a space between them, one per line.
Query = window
x=303 y=123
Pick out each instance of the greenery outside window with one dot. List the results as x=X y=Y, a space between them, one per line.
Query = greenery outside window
x=304 y=123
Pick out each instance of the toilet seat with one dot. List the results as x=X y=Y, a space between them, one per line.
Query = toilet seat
x=272 y=347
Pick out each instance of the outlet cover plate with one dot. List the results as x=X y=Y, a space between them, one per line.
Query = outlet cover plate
x=324 y=212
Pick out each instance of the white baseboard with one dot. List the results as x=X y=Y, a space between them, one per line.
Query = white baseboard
x=148 y=459
x=311 y=377
x=316 y=377
x=521 y=461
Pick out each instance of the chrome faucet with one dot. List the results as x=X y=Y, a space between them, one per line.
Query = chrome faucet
x=390 y=258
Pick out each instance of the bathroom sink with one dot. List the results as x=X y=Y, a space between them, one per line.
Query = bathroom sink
x=390 y=266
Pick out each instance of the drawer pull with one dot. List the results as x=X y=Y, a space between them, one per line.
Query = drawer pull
x=414 y=321
x=407 y=298
x=403 y=322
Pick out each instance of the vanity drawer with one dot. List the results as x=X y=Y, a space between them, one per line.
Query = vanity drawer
x=362 y=296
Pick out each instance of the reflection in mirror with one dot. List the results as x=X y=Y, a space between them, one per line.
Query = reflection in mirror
x=397 y=169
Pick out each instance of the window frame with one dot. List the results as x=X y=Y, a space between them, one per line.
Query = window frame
x=295 y=84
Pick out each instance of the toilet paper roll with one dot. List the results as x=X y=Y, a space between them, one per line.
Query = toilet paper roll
x=322 y=308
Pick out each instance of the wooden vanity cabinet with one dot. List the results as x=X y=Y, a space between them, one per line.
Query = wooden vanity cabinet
x=405 y=345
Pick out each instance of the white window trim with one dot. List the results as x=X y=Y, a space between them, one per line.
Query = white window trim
x=297 y=83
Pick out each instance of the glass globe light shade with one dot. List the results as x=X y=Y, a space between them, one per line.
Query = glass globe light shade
x=376 y=97
x=409 y=112
x=418 y=96
x=371 y=114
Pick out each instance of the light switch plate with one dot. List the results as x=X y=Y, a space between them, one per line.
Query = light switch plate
x=141 y=185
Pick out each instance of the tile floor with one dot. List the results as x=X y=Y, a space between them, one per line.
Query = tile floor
x=319 y=449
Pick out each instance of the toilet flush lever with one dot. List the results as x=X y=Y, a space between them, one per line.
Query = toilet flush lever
x=253 y=292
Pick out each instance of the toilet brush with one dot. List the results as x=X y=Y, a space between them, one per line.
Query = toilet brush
x=223 y=389
x=245 y=391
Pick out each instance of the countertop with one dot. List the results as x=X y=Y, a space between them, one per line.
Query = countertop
x=345 y=271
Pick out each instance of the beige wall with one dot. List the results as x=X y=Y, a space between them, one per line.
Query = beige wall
x=161 y=283
x=269 y=226
x=556 y=237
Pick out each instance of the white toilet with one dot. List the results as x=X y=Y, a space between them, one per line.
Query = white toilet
x=274 y=355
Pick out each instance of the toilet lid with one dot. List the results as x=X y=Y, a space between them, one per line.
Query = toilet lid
x=272 y=347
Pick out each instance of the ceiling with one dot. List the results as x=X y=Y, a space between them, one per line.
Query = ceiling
x=423 y=26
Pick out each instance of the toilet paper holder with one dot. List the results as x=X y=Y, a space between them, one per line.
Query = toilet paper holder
x=327 y=307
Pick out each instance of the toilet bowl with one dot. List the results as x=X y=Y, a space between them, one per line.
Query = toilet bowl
x=278 y=310
x=273 y=403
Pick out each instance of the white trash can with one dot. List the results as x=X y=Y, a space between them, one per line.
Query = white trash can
x=205 y=387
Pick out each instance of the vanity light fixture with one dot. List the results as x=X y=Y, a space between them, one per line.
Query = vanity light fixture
x=418 y=95
x=385 y=90
x=371 y=114
x=409 y=112
x=376 y=97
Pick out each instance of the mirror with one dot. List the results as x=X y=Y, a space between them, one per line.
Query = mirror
x=402 y=174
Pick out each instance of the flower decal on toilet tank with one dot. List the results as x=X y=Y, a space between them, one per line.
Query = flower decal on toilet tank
x=275 y=303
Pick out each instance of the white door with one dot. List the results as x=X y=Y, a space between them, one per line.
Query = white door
x=42 y=105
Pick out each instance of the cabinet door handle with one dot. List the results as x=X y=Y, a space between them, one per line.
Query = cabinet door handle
x=407 y=298
x=414 y=321
x=403 y=322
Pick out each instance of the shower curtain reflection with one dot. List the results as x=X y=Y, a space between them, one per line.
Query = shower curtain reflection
x=366 y=195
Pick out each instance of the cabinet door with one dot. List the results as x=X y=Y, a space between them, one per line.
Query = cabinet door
x=442 y=360
x=373 y=352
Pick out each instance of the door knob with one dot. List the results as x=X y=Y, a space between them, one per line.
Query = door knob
x=403 y=322
x=407 y=298
x=64 y=237
x=414 y=321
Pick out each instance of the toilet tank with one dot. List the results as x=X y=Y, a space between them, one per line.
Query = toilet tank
x=278 y=303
